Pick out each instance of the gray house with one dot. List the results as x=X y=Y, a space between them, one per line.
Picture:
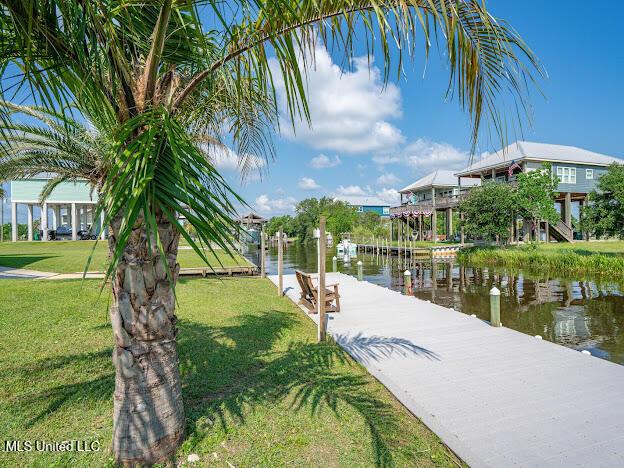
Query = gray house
x=577 y=169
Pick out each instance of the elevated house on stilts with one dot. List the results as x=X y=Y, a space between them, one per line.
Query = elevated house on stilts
x=576 y=169
x=438 y=193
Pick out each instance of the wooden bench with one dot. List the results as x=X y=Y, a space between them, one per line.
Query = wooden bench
x=309 y=294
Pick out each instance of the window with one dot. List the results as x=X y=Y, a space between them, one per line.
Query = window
x=589 y=174
x=386 y=210
x=566 y=175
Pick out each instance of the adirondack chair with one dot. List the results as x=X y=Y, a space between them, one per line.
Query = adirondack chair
x=309 y=294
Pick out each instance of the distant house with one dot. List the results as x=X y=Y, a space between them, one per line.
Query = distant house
x=71 y=206
x=367 y=204
x=422 y=200
x=577 y=169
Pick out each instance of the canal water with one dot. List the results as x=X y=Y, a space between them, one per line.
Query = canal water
x=579 y=313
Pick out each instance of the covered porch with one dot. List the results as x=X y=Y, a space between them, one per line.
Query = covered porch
x=69 y=209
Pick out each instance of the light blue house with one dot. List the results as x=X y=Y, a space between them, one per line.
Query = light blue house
x=367 y=204
x=577 y=169
x=71 y=205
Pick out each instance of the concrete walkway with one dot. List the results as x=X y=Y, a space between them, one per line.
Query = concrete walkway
x=16 y=273
x=495 y=396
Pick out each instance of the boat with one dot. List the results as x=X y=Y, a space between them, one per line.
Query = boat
x=345 y=247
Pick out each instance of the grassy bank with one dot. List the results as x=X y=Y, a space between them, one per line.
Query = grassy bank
x=600 y=259
x=71 y=257
x=258 y=390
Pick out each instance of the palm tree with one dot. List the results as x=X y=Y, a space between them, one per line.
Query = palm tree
x=55 y=143
x=153 y=76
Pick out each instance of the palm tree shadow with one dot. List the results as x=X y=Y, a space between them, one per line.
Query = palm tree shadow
x=250 y=373
x=366 y=348
x=50 y=400
x=15 y=260
x=228 y=370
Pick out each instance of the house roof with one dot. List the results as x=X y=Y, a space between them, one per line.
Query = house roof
x=362 y=201
x=528 y=150
x=438 y=178
x=253 y=217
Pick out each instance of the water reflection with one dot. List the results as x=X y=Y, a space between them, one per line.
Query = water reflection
x=578 y=313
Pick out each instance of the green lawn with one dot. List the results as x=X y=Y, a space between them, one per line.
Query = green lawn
x=582 y=247
x=258 y=390
x=71 y=257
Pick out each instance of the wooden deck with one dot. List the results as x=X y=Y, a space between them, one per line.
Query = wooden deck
x=439 y=250
x=495 y=396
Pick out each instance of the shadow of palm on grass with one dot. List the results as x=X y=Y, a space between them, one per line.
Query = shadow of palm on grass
x=41 y=403
x=241 y=370
x=22 y=260
x=227 y=371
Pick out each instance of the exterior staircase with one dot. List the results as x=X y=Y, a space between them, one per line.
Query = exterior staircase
x=561 y=232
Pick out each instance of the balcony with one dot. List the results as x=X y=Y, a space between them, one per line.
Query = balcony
x=441 y=203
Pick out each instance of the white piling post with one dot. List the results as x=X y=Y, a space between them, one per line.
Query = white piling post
x=359 y=270
x=407 y=281
x=335 y=264
x=495 y=307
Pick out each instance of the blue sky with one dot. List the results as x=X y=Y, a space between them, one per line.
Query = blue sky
x=367 y=140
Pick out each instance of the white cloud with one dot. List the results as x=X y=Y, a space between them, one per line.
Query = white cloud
x=424 y=156
x=350 y=190
x=323 y=162
x=350 y=110
x=384 y=159
x=225 y=158
x=390 y=195
x=306 y=183
x=264 y=204
x=387 y=179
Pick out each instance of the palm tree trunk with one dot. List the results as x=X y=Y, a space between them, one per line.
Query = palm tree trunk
x=148 y=420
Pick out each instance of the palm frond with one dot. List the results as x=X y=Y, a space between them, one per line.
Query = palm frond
x=153 y=78
x=488 y=60
x=159 y=176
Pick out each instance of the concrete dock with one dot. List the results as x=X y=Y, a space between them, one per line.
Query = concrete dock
x=495 y=396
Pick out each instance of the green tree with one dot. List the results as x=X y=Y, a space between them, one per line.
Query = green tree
x=488 y=211
x=369 y=220
x=284 y=221
x=158 y=80
x=58 y=144
x=535 y=196
x=604 y=216
x=340 y=217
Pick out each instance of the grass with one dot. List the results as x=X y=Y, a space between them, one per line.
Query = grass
x=71 y=257
x=598 y=259
x=258 y=390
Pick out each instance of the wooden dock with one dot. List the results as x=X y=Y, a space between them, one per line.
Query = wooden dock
x=220 y=271
x=442 y=250
x=495 y=396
